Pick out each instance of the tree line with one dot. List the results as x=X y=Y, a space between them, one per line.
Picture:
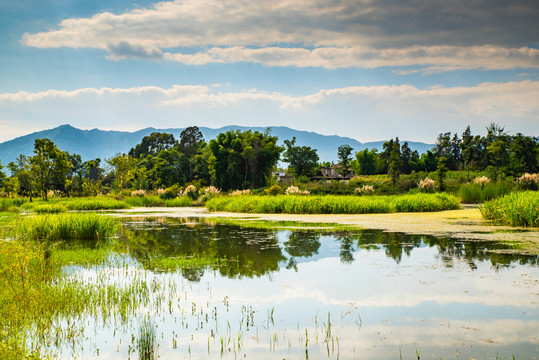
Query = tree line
x=246 y=159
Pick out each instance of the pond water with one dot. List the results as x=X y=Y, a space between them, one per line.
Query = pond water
x=261 y=293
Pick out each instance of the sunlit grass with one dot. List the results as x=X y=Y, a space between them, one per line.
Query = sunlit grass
x=331 y=204
x=515 y=209
x=68 y=226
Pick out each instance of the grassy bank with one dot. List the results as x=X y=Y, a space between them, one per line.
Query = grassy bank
x=332 y=204
x=515 y=209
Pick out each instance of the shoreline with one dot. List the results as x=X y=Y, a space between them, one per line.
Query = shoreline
x=464 y=224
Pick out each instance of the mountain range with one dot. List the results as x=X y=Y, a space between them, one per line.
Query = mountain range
x=104 y=144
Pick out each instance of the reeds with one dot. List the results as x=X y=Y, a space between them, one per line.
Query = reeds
x=65 y=226
x=478 y=193
x=515 y=209
x=331 y=204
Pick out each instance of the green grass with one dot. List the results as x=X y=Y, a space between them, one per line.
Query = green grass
x=332 y=204
x=65 y=226
x=474 y=193
x=11 y=204
x=515 y=209
x=156 y=201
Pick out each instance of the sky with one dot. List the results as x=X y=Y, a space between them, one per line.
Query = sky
x=365 y=69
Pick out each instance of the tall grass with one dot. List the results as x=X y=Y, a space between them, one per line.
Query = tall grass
x=65 y=226
x=331 y=204
x=515 y=209
x=475 y=193
x=11 y=204
x=154 y=201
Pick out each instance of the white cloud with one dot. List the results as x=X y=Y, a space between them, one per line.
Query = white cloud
x=360 y=111
x=337 y=34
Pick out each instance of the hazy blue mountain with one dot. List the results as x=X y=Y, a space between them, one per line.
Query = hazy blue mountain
x=95 y=143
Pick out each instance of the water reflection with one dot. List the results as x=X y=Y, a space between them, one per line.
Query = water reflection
x=253 y=252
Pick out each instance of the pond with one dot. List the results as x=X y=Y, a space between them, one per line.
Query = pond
x=210 y=290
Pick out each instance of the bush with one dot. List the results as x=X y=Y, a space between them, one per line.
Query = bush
x=273 y=190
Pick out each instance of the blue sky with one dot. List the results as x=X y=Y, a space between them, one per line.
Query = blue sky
x=367 y=69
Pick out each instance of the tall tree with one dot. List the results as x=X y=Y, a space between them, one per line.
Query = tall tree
x=302 y=160
x=243 y=159
x=49 y=162
x=366 y=162
x=190 y=140
x=344 y=153
x=153 y=144
x=121 y=165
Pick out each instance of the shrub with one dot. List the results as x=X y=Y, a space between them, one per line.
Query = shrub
x=240 y=192
x=528 y=181
x=191 y=191
x=138 y=192
x=294 y=190
x=427 y=185
x=364 y=190
x=273 y=190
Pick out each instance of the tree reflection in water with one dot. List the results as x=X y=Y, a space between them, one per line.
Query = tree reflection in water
x=237 y=251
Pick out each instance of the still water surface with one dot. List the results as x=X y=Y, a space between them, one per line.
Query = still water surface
x=260 y=293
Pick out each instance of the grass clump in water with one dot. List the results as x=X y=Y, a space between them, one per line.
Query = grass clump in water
x=65 y=226
x=515 y=209
x=332 y=204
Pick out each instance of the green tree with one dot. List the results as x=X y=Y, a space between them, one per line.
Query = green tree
x=49 y=162
x=190 y=140
x=153 y=144
x=121 y=167
x=394 y=164
x=243 y=159
x=366 y=162
x=2 y=176
x=344 y=153
x=441 y=172
x=302 y=160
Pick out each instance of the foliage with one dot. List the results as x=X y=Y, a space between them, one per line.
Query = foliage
x=48 y=162
x=153 y=144
x=344 y=153
x=274 y=190
x=515 y=209
x=294 y=190
x=331 y=204
x=528 y=181
x=302 y=160
x=243 y=159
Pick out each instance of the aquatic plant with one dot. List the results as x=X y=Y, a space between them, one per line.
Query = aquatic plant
x=240 y=192
x=146 y=343
x=515 y=209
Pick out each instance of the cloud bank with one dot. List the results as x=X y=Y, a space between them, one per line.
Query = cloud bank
x=361 y=112
x=439 y=36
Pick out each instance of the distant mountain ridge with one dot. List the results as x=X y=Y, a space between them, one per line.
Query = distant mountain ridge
x=104 y=144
